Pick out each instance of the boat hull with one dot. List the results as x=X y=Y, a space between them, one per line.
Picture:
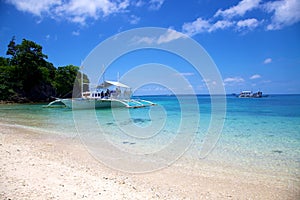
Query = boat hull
x=250 y=94
x=92 y=103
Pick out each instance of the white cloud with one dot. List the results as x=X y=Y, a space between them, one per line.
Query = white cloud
x=47 y=37
x=76 y=11
x=267 y=81
x=200 y=25
x=134 y=19
x=285 y=13
x=233 y=80
x=255 y=76
x=146 y=40
x=168 y=36
x=239 y=10
x=222 y=24
x=205 y=80
x=195 y=27
x=79 y=11
x=76 y=33
x=281 y=13
x=186 y=74
x=267 y=60
x=138 y=3
x=36 y=7
x=209 y=83
x=155 y=4
x=247 y=23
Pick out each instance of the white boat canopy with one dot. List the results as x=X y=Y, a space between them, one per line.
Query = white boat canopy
x=246 y=91
x=107 y=84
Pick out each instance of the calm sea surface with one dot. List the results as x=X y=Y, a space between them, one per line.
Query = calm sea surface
x=257 y=133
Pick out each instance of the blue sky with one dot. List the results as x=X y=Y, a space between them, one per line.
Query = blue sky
x=254 y=43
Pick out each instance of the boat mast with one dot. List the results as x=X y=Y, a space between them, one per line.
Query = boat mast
x=103 y=73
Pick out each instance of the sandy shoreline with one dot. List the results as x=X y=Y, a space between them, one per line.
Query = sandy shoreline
x=41 y=166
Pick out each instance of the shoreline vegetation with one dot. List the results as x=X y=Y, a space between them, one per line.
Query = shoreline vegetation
x=36 y=165
x=27 y=77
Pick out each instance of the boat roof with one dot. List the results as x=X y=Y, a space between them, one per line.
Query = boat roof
x=246 y=91
x=107 y=84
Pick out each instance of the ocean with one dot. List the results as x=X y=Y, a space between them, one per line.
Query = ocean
x=258 y=134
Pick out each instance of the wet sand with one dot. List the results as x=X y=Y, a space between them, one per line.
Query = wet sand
x=42 y=166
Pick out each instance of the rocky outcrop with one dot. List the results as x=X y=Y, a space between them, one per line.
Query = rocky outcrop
x=41 y=92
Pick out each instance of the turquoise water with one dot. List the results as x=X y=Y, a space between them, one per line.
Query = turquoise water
x=258 y=133
x=263 y=133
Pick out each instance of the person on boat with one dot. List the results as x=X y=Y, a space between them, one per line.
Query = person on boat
x=107 y=93
x=102 y=94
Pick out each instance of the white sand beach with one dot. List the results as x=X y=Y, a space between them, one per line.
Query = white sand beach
x=40 y=166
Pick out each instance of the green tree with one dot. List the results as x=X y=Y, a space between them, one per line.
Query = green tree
x=11 y=48
x=68 y=81
x=4 y=61
x=64 y=80
x=32 y=74
x=26 y=75
x=8 y=83
x=31 y=64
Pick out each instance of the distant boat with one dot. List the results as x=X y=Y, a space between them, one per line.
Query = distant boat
x=250 y=94
x=106 y=95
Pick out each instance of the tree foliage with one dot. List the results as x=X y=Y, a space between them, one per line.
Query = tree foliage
x=27 y=76
x=68 y=80
x=32 y=68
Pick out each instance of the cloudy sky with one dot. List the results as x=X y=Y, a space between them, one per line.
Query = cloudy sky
x=254 y=43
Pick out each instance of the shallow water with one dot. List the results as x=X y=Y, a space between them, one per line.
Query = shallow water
x=257 y=133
